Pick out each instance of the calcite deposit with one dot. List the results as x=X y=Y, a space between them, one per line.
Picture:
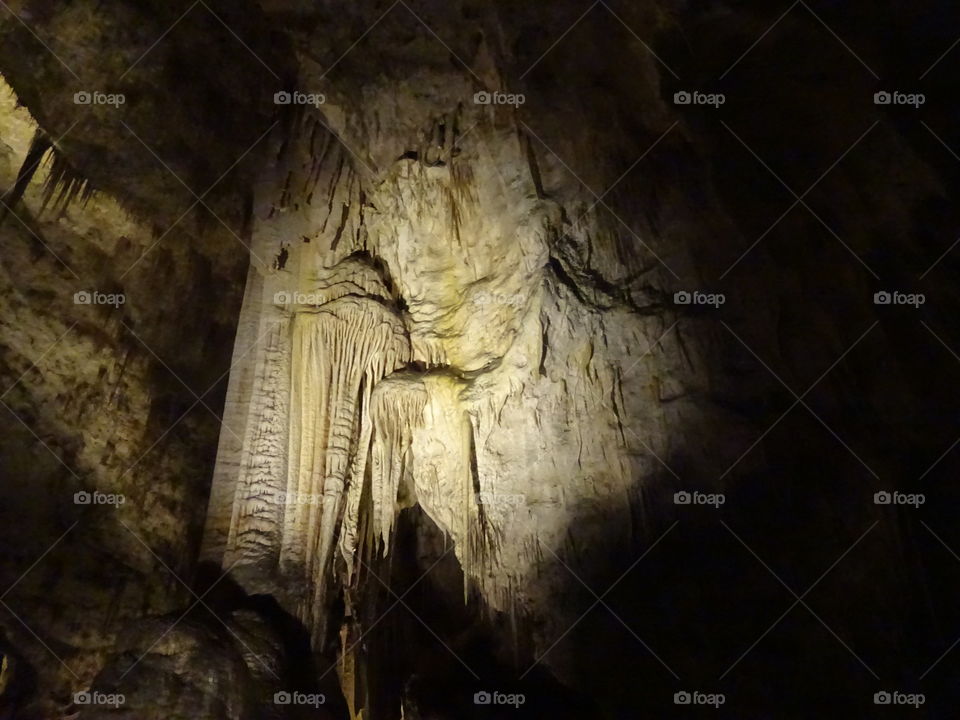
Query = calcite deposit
x=420 y=356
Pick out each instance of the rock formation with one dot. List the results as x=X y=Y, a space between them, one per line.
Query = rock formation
x=482 y=299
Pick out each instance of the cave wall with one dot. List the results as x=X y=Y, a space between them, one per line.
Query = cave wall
x=459 y=333
x=107 y=415
x=554 y=378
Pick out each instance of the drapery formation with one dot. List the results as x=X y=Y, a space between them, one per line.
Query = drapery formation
x=318 y=420
x=340 y=351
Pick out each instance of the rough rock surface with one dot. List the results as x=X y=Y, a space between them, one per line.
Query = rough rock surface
x=552 y=379
x=106 y=404
x=462 y=393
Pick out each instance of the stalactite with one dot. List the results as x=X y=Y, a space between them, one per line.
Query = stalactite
x=65 y=182
x=339 y=352
x=38 y=148
x=396 y=410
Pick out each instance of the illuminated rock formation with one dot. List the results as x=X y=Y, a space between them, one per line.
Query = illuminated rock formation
x=463 y=384
x=422 y=349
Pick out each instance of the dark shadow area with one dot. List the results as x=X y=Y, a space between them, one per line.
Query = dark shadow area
x=303 y=671
x=443 y=656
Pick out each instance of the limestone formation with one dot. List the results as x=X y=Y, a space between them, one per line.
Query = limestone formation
x=373 y=316
x=423 y=352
